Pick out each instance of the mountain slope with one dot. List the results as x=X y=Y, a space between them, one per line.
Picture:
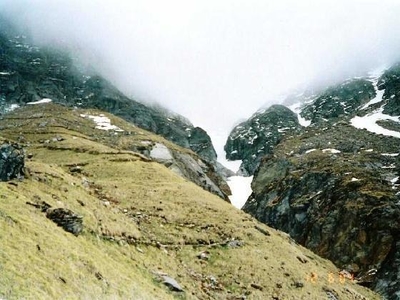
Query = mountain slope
x=141 y=223
x=30 y=73
x=333 y=185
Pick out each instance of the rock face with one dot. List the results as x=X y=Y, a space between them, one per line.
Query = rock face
x=341 y=202
x=66 y=219
x=390 y=83
x=198 y=171
x=11 y=161
x=30 y=73
x=338 y=101
x=334 y=187
x=251 y=140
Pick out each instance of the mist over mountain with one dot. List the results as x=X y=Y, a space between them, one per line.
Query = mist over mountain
x=208 y=59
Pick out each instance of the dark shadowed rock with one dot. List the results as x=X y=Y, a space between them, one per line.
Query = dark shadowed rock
x=339 y=100
x=342 y=204
x=66 y=219
x=11 y=161
x=251 y=140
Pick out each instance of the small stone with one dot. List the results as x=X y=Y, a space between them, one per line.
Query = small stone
x=172 y=283
x=75 y=169
x=205 y=255
x=302 y=259
x=298 y=284
x=235 y=244
x=256 y=286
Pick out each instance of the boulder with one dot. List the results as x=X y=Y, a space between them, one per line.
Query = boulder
x=11 y=161
x=67 y=219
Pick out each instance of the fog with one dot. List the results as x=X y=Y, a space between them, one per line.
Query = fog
x=218 y=61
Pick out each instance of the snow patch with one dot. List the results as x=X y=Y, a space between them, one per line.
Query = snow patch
x=296 y=108
x=11 y=107
x=390 y=154
x=5 y=73
x=368 y=122
x=310 y=150
x=355 y=179
x=329 y=150
x=102 y=122
x=377 y=99
x=43 y=101
x=241 y=190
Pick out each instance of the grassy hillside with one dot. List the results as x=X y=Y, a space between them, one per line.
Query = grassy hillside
x=141 y=221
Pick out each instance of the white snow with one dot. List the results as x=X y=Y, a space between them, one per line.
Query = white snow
x=241 y=190
x=239 y=185
x=329 y=150
x=355 y=179
x=369 y=150
x=44 y=100
x=390 y=154
x=369 y=122
x=5 y=73
x=310 y=150
x=394 y=180
x=11 y=107
x=378 y=98
x=392 y=166
x=102 y=122
x=296 y=108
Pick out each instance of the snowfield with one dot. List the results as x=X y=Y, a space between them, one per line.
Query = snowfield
x=241 y=190
x=368 y=122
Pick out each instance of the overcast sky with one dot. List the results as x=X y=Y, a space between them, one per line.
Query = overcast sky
x=218 y=61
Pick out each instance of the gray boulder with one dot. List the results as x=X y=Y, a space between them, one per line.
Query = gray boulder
x=11 y=161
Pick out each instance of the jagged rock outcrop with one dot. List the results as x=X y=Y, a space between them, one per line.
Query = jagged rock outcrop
x=199 y=142
x=30 y=73
x=194 y=169
x=67 y=219
x=390 y=82
x=334 y=185
x=251 y=140
x=335 y=191
x=12 y=161
x=338 y=101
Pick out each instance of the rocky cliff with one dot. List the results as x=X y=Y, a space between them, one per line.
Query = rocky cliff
x=333 y=186
x=251 y=140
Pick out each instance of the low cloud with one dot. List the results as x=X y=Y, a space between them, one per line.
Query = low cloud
x=217 y=61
